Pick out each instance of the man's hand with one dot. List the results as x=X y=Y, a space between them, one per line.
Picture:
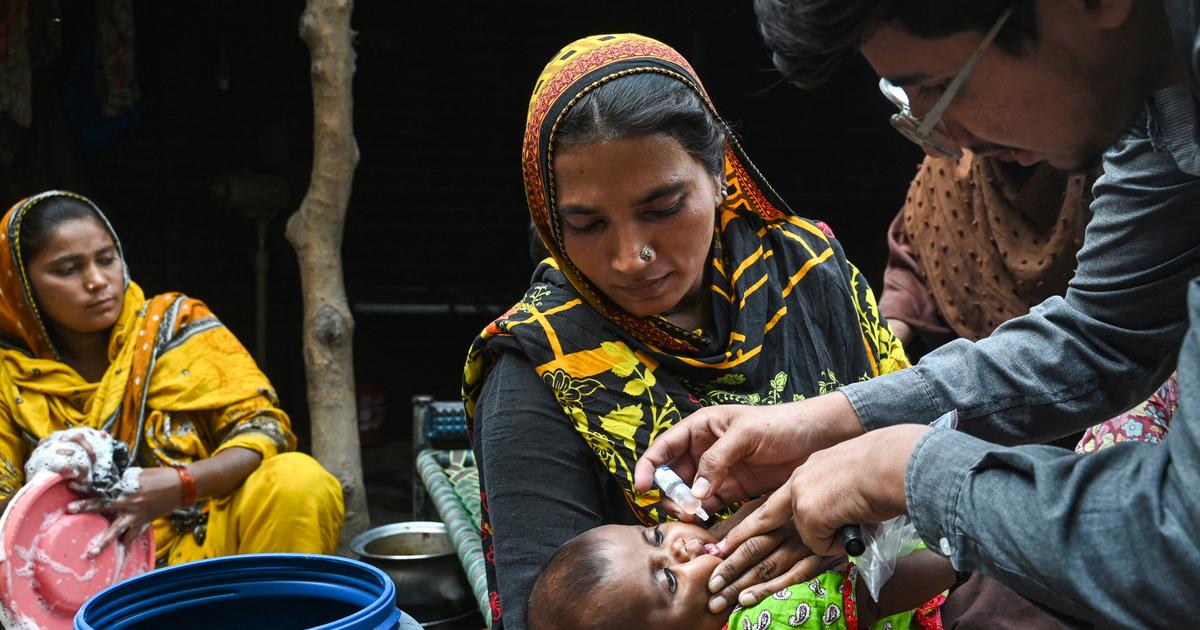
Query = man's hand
x=857 y=481
x=732 y=452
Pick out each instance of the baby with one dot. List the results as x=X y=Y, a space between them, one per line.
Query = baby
x=627 y=576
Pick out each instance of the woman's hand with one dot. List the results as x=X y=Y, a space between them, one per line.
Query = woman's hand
x=764 y=564
x=70 y=453
x=74 y=467
x=159 y=493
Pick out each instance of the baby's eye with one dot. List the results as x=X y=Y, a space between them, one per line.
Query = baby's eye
x=672 y=583
x=658 y=537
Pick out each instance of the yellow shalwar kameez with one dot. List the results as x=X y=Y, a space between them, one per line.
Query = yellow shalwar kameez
x=179 y=388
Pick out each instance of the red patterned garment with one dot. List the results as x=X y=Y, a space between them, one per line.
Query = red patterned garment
x=1147 y=422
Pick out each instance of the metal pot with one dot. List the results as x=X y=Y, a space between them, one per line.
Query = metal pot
x=430 y=583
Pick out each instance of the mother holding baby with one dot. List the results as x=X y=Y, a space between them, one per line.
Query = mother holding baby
x=677 y=278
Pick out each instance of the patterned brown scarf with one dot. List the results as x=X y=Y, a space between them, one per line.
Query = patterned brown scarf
x=993 y=238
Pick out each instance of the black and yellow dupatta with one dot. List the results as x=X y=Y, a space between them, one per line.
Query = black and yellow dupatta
x=793 y=318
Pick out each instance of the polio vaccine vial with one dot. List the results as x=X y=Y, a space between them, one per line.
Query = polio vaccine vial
x=678 y=491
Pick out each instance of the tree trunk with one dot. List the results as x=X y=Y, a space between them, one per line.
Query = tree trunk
x=315 y=231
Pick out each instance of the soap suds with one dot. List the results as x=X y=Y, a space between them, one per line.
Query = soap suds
x=14 y=620
x=131 y=480
x=102 y=473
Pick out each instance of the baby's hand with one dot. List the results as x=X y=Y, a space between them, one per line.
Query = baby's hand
x=763 y=564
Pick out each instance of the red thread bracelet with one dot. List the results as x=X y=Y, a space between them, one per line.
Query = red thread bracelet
x=187 y=483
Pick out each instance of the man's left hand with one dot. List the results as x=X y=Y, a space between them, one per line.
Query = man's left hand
x=857 y=481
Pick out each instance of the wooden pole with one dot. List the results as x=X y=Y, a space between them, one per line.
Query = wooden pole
x=315 y=231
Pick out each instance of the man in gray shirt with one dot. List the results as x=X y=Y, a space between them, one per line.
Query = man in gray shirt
x=1107 y=537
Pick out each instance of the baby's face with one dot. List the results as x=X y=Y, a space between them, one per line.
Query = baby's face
x=663 y=571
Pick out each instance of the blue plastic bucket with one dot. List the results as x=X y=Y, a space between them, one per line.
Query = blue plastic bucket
x=274 y=590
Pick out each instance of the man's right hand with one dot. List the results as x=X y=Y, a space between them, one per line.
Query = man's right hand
x=734 y=452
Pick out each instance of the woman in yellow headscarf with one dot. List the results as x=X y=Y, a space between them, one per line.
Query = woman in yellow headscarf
x=81 y=346
x=677 y=278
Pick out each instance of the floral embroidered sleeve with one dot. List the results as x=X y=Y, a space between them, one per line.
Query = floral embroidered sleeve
x=256 y=424
x=210 y=380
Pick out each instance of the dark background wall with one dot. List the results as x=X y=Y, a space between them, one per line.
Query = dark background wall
x=438 y=213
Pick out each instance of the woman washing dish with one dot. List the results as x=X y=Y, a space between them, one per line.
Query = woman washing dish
x=82 y=346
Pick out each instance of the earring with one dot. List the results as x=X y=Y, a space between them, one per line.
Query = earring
x=646 y=254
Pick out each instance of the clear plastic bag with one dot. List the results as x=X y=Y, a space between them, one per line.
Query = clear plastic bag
x=891 y=540
x=886 y=543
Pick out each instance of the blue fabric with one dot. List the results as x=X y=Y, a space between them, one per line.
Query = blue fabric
x=1106 y=536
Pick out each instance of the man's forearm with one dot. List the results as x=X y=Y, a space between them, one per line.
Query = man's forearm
x=1105 y=537
x=1076 y=360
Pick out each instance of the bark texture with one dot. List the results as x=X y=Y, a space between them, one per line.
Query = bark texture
x=315 y=231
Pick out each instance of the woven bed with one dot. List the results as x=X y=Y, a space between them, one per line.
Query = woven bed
x=452 y=481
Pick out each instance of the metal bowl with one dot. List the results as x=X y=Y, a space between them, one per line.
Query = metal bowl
x=415 y=540
x=420 y=559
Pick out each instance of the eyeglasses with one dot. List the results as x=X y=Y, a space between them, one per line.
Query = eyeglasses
x=930 y=131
